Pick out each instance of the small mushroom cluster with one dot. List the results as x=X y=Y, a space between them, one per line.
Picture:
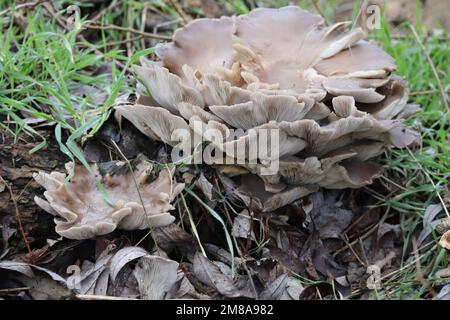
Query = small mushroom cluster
x=330 y=95
x=136 y=201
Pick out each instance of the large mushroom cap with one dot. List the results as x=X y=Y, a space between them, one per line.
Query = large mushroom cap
x=329 y=95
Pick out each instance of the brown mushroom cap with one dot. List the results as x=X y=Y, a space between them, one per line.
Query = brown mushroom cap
x=280 y=46
x=81 y=210
x=204 y=44
x=329 y=93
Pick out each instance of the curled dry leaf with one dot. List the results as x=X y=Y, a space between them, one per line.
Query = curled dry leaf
x=444 y=294
x=172 y=236
x=430 y=222
x=153 y=277
x=329 y=94
x=252 y=192
x=44 y=284
x=210 y=274
x=91 y=278
x=124 y=256
x=276 y=288
x=187 y=291
x=81 y=211
x=27 y=269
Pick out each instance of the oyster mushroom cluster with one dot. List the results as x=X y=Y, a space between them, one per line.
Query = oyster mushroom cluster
x=331 y=96
x=133 y=199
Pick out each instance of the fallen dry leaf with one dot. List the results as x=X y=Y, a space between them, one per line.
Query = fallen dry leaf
x=326 y=216
x=242 y=226
x=276 y=288
x=124 y=256
x=205 y=186
x=429 y=222
x=155 y=276
x=211 y=275
x=444 y=294
x=293 y=290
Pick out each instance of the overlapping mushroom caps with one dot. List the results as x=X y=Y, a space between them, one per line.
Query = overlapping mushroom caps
x=329 y=93
x=82 y=212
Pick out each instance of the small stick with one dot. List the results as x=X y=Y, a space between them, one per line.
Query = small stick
x=10 y=290
x=180 y=11
x=143 y=23
x=94 y=297
x=128 y=34
x=119 y=28
x=349 y=245
x=114 y=43
x=113 y=4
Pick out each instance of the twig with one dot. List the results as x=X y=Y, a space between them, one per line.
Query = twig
x=10 y=290
x=61 y=21
x=113 y=43
x=180 y=11
x=419 y=272
x=111 y=6
x=418 y=258
x=317 y=7
x=94 y=297
x=19 y=220
x=394 y=183
x=349 y=245
x=364 y=236
x=128 y=34
x=125 y=29
x=424 y=92
x=404 y=36
x=410 y=264
x=359 y=15
x=26 y=5
x=143 y=23
x=432 y=66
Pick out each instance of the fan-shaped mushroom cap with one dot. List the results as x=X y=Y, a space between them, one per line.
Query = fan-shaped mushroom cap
x=280 y=46
x=204 y=44
x=81 y=209
x=362 y=60
x=328 y=94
